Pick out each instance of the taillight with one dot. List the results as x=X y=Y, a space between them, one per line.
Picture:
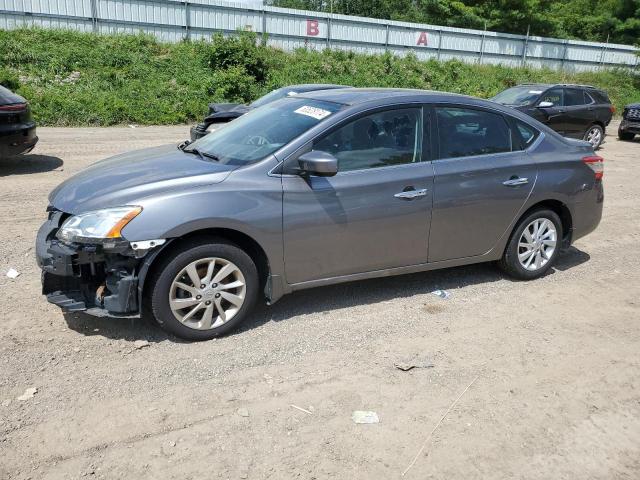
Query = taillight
x=613 y=109
x=596 y=164
x=15 y=107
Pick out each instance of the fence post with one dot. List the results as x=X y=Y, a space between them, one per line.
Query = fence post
x=439 y=42
x=604 y=50
x=94 y=15
x=187 y=20
x=328 y=32
x=564 y=54
x=526 y=46
x=484 y=33
x=264 y=26
x=386 y=39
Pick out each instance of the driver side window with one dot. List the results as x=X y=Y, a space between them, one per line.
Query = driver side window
x=391 y=137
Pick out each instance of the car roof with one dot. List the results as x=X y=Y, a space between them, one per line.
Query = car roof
x=307 y=87
x=549 y=85
x=374 y=97
x=355 y=96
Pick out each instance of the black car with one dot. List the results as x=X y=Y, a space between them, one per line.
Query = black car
x=225 y=112
x=630 y=124
x=574 y=111
x=17 y=128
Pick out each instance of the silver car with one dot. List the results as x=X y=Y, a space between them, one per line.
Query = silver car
x=320 y=188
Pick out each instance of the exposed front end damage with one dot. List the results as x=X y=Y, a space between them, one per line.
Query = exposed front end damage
x=100 y=279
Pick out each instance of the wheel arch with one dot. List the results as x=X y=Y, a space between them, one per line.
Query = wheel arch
x=561 y=209
x=600 y=123
x=248 y=244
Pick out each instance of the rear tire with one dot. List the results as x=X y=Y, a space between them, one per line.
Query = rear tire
x=594 y=135
x=214 y=278
x=534 y=245
x=626 y=136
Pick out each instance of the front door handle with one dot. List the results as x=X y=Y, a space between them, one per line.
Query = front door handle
x=514 y=182
x=409 y=194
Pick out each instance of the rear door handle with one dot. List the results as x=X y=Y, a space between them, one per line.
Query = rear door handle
x=409 y=194
x=514 y=182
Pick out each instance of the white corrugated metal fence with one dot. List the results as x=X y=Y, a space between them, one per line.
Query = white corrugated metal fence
x=174 y=20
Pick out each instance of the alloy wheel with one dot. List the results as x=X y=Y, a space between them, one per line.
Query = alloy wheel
x=594 y=136
x=207 y=293
x=537 y=244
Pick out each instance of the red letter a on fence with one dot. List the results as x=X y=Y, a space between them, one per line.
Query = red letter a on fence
x=312 y=28
x=422 y=39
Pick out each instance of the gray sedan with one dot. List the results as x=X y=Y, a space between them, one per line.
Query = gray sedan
x=320 y=188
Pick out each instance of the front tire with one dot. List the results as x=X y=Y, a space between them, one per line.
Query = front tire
x=626 y=136
x=534 y=245
x=204 y=289
x=595 y=136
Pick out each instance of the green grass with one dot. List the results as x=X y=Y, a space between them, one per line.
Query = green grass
x=136 y=79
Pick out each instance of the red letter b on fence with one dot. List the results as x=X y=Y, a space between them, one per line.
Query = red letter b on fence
x=312 y=28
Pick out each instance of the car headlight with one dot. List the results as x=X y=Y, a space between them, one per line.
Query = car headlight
x=96 y=226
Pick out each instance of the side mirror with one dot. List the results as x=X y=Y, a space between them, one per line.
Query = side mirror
x=545 y=104
x=318 y=163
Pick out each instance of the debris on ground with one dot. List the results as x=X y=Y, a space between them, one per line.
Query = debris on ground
x=364 y=416
x=441 y=293
x=415 y=459
x=28 y=393
x=13 y=273
x=141 y=344
x=133 y=126
x=243 y=412
x=406 y=365
x=6 y=403
x=301 y=409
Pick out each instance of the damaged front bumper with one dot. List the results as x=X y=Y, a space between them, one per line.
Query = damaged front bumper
x=99 y=279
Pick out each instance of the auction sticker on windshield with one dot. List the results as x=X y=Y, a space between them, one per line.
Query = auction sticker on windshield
x=313 y=112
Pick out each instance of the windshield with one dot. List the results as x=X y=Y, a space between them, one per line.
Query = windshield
x=262 y=131
x=271 y=97
x=519 y=96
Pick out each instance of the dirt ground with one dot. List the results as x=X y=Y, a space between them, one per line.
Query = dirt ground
x=555 y=362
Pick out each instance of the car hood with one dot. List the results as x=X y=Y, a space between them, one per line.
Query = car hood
x=632 y=105
x=228 y=107
x=129 y=177
x=522 y=108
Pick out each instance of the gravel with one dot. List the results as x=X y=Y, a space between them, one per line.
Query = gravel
x=557 y=361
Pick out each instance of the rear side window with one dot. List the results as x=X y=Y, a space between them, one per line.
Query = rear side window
x=465 y=132
x=588 y=99
x=391 y=137
x=599 y=96
x=526 y=135
x=573 y=97
x=554 y=95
